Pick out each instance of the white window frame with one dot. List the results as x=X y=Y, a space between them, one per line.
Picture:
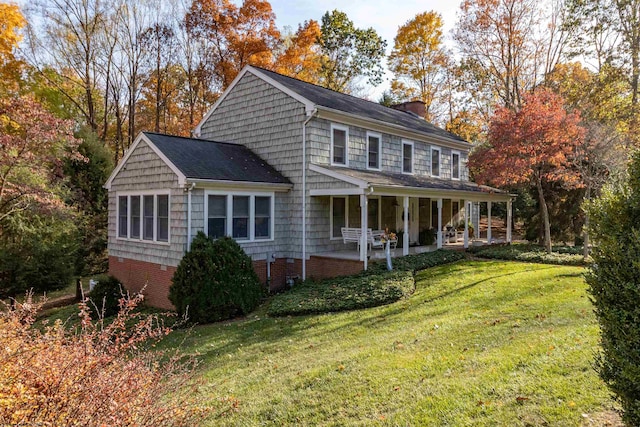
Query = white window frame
x=346 y=216
x=439 y=150
x=141 y=194
x=379 y=137
x=413 y=157
x=346 y=145
x=459 y=165
x=252 y=213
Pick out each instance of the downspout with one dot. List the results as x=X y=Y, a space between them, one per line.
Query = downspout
x=189 y=188
x=304 y=192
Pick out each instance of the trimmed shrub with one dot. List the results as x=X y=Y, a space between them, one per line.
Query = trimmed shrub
x=530 y=253
x=614 y=283
x=215 y=281
x=343 y=293
x=105 y=296
x=371 y=288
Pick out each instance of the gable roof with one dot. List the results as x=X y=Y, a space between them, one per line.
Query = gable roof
x=201 y=159
x=331 y=99
x=317 y=97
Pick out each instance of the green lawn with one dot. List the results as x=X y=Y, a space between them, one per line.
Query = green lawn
x=479 y=343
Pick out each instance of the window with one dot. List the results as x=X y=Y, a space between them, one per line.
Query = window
x=251 y=215
x=144 y=216
x=407 y=157
x=122 y=216
x=240 y=217
x=455 y=165
x=263 y=217
x=217 y=218
x=338 y=215
x=435 y=161
x=372 y=214
x=147 y=219
x=373 y=151
x=162 y=223
x=339 y=142
x=135 y=217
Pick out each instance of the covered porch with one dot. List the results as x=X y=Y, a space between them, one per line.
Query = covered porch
x=428 y=215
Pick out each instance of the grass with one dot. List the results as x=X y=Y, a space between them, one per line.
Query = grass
x=480 y=343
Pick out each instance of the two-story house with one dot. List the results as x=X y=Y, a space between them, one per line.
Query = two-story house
x=283 y=166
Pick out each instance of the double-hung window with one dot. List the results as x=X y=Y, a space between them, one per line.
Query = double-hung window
x=407 y=157
x=123 y=213
x=435 y=161
x=338 y=216
x=144 y=216
x=455 y=165
x=243 y=216
x=374 y=151
x=339 y=145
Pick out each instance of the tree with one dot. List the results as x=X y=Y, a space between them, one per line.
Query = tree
x=237 y=36
x=300 y=57
x=613 y=284
x=11 y=21
x=499 y=36
x=533 y=145
x=418 y=61
x=348 y=53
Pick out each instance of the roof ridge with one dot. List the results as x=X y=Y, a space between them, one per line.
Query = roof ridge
x=194 y=139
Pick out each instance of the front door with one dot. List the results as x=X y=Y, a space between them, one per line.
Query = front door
x=414 y=219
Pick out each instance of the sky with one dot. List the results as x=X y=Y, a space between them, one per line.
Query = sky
x=384 y=16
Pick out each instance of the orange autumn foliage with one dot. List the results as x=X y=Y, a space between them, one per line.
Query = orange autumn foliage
x=98 y=375
x=301 y=56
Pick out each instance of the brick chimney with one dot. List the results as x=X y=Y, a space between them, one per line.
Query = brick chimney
x=416 y=107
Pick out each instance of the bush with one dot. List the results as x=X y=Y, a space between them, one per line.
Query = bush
x=371 y=288
x=427 y=237
x=614 y=283
x=215 y=281
x=93 y=376
x=530 y=253
x=343 y=293
x=105 y=296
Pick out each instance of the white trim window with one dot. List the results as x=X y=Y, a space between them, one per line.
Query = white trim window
x=435 y=161
x=245 y=216
x=339 y=145
x=407 y=157
x=374 y=150
x=455 y=165
x=339 y=214
x=144 y=215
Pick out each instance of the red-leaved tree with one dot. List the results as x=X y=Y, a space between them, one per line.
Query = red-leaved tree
x=533 y=145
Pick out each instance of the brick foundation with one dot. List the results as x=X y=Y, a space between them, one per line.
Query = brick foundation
x=135 y=274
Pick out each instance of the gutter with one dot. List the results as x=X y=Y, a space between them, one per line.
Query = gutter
x=188 y=189
x=304 y=192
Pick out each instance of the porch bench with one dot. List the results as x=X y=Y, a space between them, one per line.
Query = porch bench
x=374 y=238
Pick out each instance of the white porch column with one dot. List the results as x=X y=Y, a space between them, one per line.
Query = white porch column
x=509 y=213
x=405 y=223
x=439 y=241
x=489 y=223
x=363 y=226
x=466 y=224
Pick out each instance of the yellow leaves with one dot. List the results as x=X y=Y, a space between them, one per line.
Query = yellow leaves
x=301 y=57
x=11 y=21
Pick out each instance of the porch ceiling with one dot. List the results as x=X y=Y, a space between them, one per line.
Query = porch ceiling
x=395 y=184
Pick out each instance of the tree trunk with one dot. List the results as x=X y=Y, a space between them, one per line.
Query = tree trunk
x=544 y=212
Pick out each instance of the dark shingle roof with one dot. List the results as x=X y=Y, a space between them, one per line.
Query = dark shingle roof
x=415 y=181
x=360 y=107
x=203 y=159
